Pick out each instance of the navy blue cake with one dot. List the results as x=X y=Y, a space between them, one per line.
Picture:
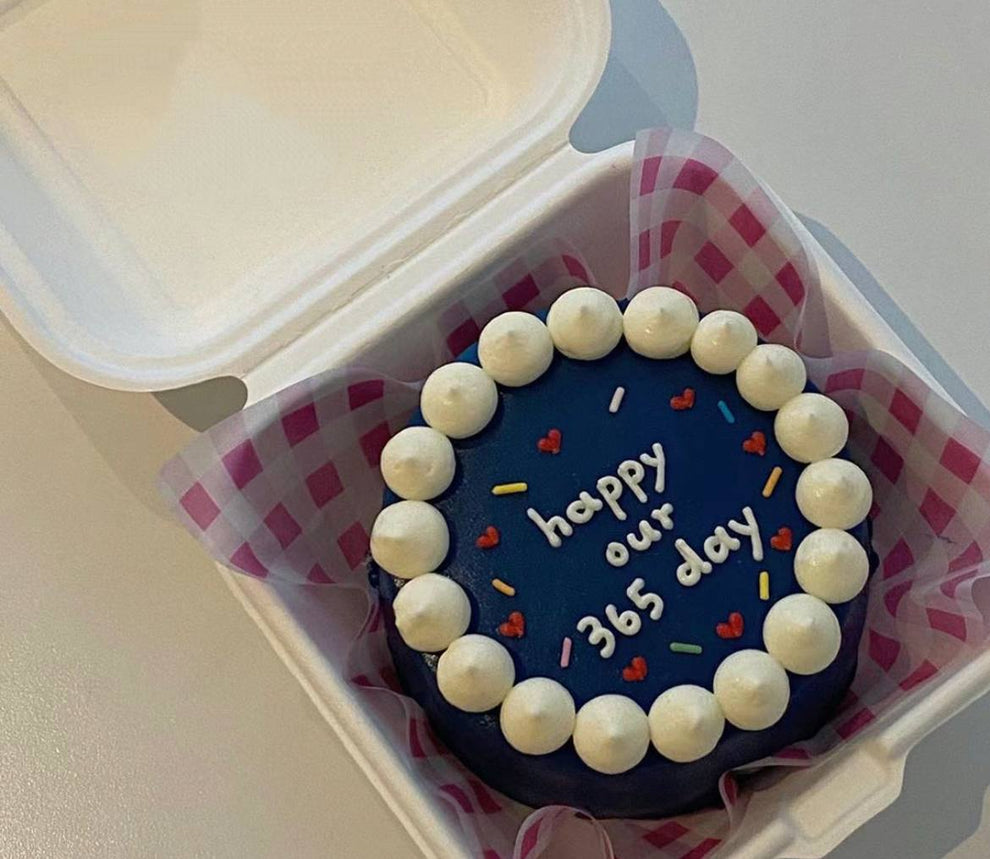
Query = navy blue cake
x=615 y=567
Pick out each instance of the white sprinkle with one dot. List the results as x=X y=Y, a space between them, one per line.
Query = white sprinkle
x=613 y=406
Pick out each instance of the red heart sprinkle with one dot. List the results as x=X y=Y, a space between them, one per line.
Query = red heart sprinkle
x=550 y=443
x=732 y=629
x=683 y=401
x=782 y=539
x=635 y=670
x=514 y=627
x=489 y=539
x=756 y=443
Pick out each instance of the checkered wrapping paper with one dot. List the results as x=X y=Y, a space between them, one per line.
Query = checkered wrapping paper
x=288 y=488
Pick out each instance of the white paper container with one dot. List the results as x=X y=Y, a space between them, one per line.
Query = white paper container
x=119 y=186
x=585 y=198
x=190 y=186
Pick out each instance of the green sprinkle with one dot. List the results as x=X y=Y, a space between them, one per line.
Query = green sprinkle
x=681 y=647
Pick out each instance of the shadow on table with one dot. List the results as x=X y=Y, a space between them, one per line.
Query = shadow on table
x=649 y=79
x=867 y=284
x=125 y=428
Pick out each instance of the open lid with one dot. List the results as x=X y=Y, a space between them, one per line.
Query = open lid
x=187 y=185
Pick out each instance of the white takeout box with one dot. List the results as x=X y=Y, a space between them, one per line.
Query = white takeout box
x=265 y=190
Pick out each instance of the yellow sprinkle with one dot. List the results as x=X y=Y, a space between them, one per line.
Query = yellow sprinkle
x=764 y=586
x=509 y=488
x=771 y=483
x=503 y=588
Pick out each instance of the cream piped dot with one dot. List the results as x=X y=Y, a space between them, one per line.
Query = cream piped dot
x=537 y=716
x=770 y=375
x=752 y=689
x=659 y=321
x=831 y=565
x=409 y=538
x=458 y=399
x=802 y=633
x=515 y=348
x=834 y=493
x=686 y=723
x=721 y=341
x=811 y=427
x=430 y=612
x=585 y=323
x=475 y=673
x=418 y=463
x=611 y=734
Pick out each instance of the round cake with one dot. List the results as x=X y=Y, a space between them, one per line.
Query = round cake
x=621 y=552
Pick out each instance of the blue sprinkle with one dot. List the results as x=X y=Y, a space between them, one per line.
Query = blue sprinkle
x=724 y=409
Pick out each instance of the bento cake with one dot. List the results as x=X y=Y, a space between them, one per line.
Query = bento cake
x=622 y=551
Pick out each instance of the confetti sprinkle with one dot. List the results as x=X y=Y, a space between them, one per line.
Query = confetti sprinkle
x=565 y=652
x=514 y=627
x=503 y=588
x=613 y=406
x=489 y=539
x=635 y=671
x=756 y=443
x=724 y=409
x=681 y=647
x=732 y=629
x=764 y=586
x=771 y=483
x=550 y=443
x=683 y=401
x=509 y=488
x=781 y=541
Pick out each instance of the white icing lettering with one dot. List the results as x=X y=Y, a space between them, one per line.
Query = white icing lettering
x=581 y=510
x=663 y=515
x=648 y=535
x=632 y=474
x=628 y=623
x=551 y=526
x=718 y=546
x=657 y=461
x=643 y=601
x=689 y=573
x=616 y=554
x=750 y=529
x=610 y=489
x=597 y=634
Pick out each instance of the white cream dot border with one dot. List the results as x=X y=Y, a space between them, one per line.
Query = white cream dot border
x=735 y=359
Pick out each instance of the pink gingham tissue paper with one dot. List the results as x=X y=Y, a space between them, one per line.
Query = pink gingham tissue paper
x=287 y=490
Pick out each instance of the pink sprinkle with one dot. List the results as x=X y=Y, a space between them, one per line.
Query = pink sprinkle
x=565 y=653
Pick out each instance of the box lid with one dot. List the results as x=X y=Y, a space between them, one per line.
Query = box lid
x=194 y=183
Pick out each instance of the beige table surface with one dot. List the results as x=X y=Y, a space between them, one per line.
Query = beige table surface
x=141 y=711
x=142 y=714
